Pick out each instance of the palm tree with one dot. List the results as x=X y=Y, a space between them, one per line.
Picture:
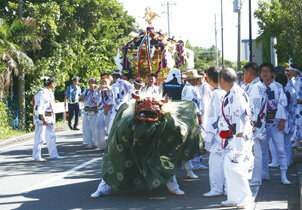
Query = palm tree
x=15 y=40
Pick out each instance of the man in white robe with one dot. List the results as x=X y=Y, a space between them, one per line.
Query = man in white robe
x=103 y=96
x=212 y=139
x=275 y=122
x=236 y=132
x=255 y=90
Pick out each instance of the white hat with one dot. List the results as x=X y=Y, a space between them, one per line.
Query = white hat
x=117 y=72
x=239 y=72
x=193 y=74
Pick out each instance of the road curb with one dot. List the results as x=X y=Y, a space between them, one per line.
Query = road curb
x=31 y=135
x=297 y=157
x=299 y=174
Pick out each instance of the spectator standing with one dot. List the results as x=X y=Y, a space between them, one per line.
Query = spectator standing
x=72 y=96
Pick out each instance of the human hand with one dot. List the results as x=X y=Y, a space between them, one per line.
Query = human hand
x=281 y=125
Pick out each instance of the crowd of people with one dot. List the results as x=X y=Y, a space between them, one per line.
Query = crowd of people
x=244 y=118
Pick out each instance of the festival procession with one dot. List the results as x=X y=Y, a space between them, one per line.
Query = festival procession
x=158 y=131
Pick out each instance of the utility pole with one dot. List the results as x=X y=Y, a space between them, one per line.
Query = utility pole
x=222 y=51
x=216 y=43
x=237 y=8
x=250 y=31
x=168 y=4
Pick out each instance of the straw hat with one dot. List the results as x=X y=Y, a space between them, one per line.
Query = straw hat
x=193 y=74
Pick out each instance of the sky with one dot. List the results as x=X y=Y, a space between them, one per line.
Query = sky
x=194 y=20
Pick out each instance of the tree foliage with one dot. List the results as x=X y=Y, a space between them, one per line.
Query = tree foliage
x=63 y=38
x=206 y=57
x=281 y=19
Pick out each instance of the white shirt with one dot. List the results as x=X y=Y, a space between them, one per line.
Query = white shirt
x=90 y=99
x=211 y=128
x=121 y=93
x=190 y=93
x=152 y=90
x=205 y=93
x=257 y=97
x=103 y=97
x=236 y=111
x=276 y=100
x=44 y=102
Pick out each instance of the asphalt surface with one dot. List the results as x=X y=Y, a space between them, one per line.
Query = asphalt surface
x=68 y=183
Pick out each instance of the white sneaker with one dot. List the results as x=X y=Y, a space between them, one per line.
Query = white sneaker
x=211 y=194
x=97 y=194
x=285 y=181
x=245 y=203
x=273 y=165
x=40 y=159
x=178 y=192
x=191 y=175
x=57 y=157
x=228 y=203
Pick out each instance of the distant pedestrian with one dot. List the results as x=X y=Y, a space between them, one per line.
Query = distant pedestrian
x=44 y=120
x=72 y=95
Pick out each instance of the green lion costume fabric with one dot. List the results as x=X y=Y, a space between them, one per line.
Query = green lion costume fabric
x=149 y=153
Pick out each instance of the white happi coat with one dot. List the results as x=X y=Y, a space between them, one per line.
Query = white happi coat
x=205 y=93
x=152 y=90
x=298 y=117
x=257 y=97
x=237 y=111
x=44 y=101
x=212 y=123
x=276 y=100
x=291 y=96
x=121 y=93
x=190 y=93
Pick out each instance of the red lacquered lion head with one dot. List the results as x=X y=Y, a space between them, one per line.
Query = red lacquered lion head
x=148 y=109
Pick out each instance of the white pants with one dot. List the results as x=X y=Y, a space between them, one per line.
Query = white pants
x=257 y=171
x=42 y=133
x=104 y=187
x=89 y=121
x=101 y=126
x=272 y=131
x=273 y=152
x=216 y=173
x=238 y=189
x=288 y=148
x=173 y=185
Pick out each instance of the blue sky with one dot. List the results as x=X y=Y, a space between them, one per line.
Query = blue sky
x=193 y=20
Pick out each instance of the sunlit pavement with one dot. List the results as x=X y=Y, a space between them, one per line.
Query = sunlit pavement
x=68 y=183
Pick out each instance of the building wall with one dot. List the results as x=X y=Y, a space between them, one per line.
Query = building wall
x=245 y=51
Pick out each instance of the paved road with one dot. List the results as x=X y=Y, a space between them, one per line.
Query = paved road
x=67 y=184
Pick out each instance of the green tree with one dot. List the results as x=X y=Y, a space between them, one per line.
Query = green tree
x=206 y=57
x=281 y=19
x=76 y=37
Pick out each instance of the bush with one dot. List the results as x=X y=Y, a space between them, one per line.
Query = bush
x=6 y=121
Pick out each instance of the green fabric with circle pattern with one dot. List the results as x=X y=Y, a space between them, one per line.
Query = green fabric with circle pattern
x=149 y=153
